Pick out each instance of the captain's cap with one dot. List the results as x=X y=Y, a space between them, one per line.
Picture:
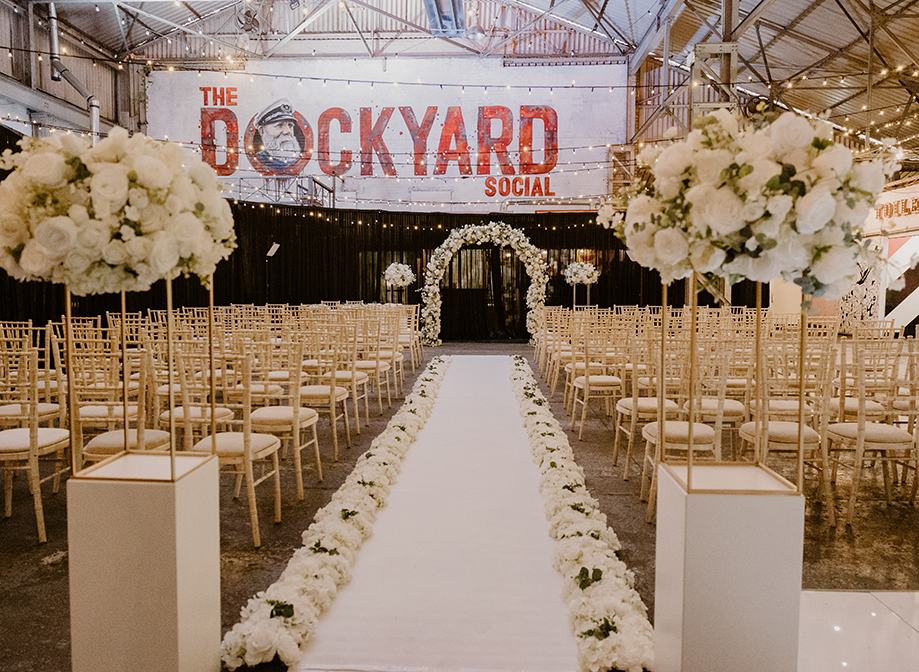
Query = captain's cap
x=279 y=110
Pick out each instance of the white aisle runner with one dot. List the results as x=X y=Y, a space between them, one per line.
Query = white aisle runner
x=458 y=573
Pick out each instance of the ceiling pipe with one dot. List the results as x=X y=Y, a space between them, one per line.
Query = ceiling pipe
x=59 y=71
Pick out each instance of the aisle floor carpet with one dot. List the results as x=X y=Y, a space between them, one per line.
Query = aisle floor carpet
x=457 y=574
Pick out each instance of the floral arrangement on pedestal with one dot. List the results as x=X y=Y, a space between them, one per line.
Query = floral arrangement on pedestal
x=501 y=235
x=398 y=275
x=754 y=203
x=282 y=618
x=581 y=273
x=116 y=216
x=606 y=613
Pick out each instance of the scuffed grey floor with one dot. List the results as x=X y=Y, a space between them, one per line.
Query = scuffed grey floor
x=880 y=552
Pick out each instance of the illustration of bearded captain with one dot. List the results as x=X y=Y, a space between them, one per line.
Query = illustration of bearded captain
x=278 y=138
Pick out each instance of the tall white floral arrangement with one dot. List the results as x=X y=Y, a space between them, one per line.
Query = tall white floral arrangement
x=499 y=234
x=581 y=273
x=755 y=203
x=117 y=216
x=398 y=275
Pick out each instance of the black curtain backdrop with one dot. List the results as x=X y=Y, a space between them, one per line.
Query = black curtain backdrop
x=341 y=255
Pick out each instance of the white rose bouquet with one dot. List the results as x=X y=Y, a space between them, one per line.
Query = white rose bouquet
x=754 y=204
x=581 y=273
x=398 y=275
x=117 y=216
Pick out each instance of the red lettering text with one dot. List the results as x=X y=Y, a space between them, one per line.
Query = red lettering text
x=549 y=119
x=208 y=145
x=372 y=141
x=419 y=136
x=454 y=128
x=344 y=122
x=499 y=144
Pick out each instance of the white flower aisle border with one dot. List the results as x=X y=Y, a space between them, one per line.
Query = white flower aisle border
x=607 y=616
x=500 y=234
x=279 y=620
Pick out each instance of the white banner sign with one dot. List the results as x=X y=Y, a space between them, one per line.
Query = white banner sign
x=460 y=131
x=896 y=212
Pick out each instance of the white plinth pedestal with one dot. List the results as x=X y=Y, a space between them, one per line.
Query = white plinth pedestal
x=728 y=570
x=145 y=565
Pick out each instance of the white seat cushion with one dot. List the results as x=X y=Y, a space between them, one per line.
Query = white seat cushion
x=875 y=432
x=231 y=444
x=677 y=431
x=44 y=410
x=316 y=393
x=279 y=417
x=599 y=381
x=17 y=440
x=109 y=443
x=781 y=431
x=198 y=414
x=94 y=412
x=708 y=407
x=645 y=405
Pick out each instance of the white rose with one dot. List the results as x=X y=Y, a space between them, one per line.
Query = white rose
x=109 y=190
x=35 y=259
x=261 y=644
x=754 y=147
x=668 y=187
x=114 y=253
x=47 y=169
x=793 y=253
x=767 y=226
x=763 y=170
x=139 y=198
x=710 y=163
x=719 y=209
x=138 y=248
x=74 y=144
x=814 y=210
x=834 y=264
x=173 y=204
x=202 y=175
x=641 y=246
x=110 y=149
x=706 y=258
x=673 y=161
x=869 y=176
x=164 y=254
x=753 y=211
x=835 y=161
x=57 y=235
x=93 y=235
x=640 y=209
x=152 y=173
x=154 y=218
x=13 y=229
x=187 y=230
x=853 y=216
x=779 y=207
x=670 y=246
x=79 y=214
x=790 y=132
x=727 y=120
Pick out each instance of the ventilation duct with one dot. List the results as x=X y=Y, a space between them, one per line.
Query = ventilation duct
x=446 y=17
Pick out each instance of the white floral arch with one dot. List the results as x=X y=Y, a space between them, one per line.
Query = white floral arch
x=500 y=234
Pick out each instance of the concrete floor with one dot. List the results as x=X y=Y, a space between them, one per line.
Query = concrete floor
x=881 y=552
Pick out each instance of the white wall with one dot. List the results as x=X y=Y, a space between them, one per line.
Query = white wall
x=592 y=116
